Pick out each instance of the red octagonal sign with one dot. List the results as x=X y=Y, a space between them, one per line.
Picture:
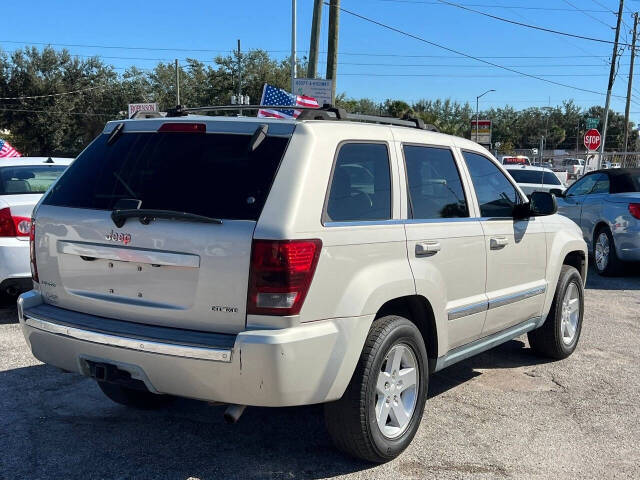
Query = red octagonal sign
x=592 y=139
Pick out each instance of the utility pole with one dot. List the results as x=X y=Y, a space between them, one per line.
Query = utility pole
x=177 y=83
x=332 y=50
x=293 y=45
x=633 y=58
x=612 y=77
x=239 y=78
x=314 y=44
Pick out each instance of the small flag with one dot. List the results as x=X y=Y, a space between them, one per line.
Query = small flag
x=276 y=96
x=6 y=150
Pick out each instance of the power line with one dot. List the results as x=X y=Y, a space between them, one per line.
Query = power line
x=62 y=112
x=584 y=12
x=421 y=39
x=368 y=54
x=514 y=7
x=117 y=47
x=534 y=27
x=52 y=94
x=605 y=7
x=444 y=75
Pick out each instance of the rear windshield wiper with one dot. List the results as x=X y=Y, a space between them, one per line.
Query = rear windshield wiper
x=147 y=215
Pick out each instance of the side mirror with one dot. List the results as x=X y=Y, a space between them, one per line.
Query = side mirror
x=542 y=203
x=558 y=192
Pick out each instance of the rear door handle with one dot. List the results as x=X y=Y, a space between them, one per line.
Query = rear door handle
x=426 y=249
x=496 y=243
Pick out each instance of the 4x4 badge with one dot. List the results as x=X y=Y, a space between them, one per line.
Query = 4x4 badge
x=118 y=237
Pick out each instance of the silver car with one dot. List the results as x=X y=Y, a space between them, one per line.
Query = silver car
x=535 y=179
x=606 y=206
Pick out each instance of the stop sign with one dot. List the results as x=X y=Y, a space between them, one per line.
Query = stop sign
x=592 y=139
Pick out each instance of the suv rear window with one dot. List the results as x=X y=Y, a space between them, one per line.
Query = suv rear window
x=26 y=179
x=206 y=174
x=534 y=176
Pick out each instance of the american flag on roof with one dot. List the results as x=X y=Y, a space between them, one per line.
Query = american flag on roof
x=6 y=150
x=276 y=96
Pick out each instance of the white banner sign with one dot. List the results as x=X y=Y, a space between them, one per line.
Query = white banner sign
x=317 y=88
x=142 y=107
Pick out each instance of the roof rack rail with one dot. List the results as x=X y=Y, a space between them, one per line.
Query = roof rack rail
x=326 y=112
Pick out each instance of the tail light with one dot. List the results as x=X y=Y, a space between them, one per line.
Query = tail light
x=11 y=226
x=32 y=251
x=183 y=127
x=281 y=273
x=634 y=209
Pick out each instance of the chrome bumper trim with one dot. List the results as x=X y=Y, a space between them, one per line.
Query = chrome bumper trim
x=141 y=345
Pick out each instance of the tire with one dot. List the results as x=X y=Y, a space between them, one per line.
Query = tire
x=558 y=337
x=611 y=264
x=352 y=421
x=132 y=397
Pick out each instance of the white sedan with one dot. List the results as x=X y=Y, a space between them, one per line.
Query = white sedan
x=535 y=179
x=22 y=183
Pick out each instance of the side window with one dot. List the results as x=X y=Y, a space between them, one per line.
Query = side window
x=361 y=184
x=496 y=194
x=601 y=185
x=435 y=188
x=582 y=186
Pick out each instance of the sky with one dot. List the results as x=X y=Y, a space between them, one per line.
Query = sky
x=374 y=61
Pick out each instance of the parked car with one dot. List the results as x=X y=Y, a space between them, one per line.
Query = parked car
x=535 y=179
x=22 y=183
x=606 y=206
x=515 y=160
x=294 y=262
x=574 y=167
x=544 y=164
x=606 y=165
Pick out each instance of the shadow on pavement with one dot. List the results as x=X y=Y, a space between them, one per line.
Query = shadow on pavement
x=508 y=355
x=59 y=425
x=629 y=279
x=8 y=312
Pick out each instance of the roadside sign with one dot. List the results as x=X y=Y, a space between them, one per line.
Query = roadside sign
x=483 y=136
x=592 y=123
x=592 y=139
x=317 y=88
x=142 y=107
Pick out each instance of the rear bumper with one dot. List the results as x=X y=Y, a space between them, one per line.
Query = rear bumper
x=14 y=258
x=300 y=365
x=628 y=243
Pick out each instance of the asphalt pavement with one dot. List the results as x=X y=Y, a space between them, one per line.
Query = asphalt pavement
x=502 y=414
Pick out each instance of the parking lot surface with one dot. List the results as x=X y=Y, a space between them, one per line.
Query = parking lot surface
x=503 y=414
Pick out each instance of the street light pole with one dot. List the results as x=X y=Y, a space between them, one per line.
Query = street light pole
x=478 y=110
x=293 y=45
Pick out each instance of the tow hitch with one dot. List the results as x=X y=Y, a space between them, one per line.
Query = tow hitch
x=105 y=372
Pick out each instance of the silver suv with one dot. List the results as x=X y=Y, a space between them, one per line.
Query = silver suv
x=271 y=262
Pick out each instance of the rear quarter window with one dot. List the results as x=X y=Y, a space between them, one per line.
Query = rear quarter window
x=210 y=174
x=360 y=188
x=27 y=179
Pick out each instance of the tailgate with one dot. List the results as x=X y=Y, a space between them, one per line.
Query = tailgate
x=169 y=273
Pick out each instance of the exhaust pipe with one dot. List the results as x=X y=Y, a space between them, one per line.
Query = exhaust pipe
x=233 y=412
x=11 y=291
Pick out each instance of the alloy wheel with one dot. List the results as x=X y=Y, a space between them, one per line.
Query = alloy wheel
x=602 y=251
x=570 y=313
x=397 y=390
